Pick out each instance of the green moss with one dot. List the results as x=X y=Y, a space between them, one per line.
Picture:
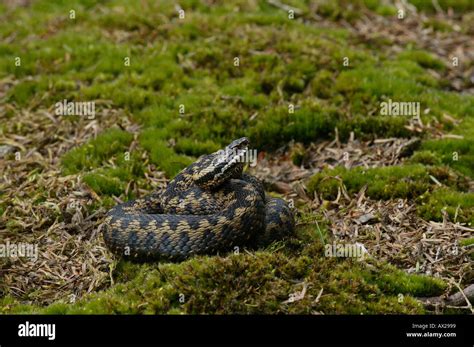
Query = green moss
x=367 y=85
x=321 y=84
x=349 y=10
x=258 y=283
x=438 y=25
x=305 y=124
x=106 y=202
x=408 y=181
x=467 y=242
x=398 y=282
x=457 y=5
x=10 y=305
x=196 y=148
x=403 y=181
x=386 y=10
x=449 y=177
x=457 y=153
x=424 y=59
x=23 y=93
x=382 y=183
x=456 y=204
x=103 y=184
x=283 y=62
x=426 y=158
x=196 y=73
x=162 y=154
x=113 y=142
x=372 y=127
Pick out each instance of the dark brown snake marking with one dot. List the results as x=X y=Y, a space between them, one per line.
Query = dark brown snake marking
x=209 y=207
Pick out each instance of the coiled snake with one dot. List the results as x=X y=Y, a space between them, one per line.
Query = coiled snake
x=209 y=207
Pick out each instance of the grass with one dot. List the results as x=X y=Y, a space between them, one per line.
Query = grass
x=183 y=89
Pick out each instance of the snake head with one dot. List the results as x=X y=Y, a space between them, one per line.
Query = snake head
x=219 y=167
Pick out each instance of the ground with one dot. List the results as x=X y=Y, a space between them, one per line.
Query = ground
x=305 y=81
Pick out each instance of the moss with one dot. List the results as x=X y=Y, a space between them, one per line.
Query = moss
x=438 y=25
x=403 y=181
x=398 y=282
x=459 y=205
x=386 y=11
x=409 y=181
x=111 y=143
x=372 y=127
x=196 y=148
x=2 y=209
x=306 y=124
x=457 y=5
x=114 y=180
x=424 y=59
x=162 y=154
x=23 y=93
x=298 y=154
x=106 y=202
x=10 y=305
x=283 y=62
x=367 y=85
x=467 y=242
x=382 y=183
x=321 y=84
x=349 y=10
x=457 y=153
x=97 y=71
x=449 y=177
x=257 y=283
x=426 y=158
x=103 y=184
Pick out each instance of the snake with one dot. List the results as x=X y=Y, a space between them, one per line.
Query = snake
x=210 y=207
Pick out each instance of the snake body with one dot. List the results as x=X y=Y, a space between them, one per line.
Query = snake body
x=209 y=207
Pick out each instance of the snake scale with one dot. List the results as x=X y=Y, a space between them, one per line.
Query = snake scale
x=211 y=206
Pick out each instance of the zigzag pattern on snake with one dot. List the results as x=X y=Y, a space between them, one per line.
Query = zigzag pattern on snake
x=209 y=207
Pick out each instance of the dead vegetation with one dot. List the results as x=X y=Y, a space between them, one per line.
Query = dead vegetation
x=53 y=211
x=62 y=215
x=390 y=230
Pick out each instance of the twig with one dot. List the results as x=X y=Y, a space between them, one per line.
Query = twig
x=456 y=300
x=435 y=180
x=469 y=291
x=319 y=295
x=437 y=6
